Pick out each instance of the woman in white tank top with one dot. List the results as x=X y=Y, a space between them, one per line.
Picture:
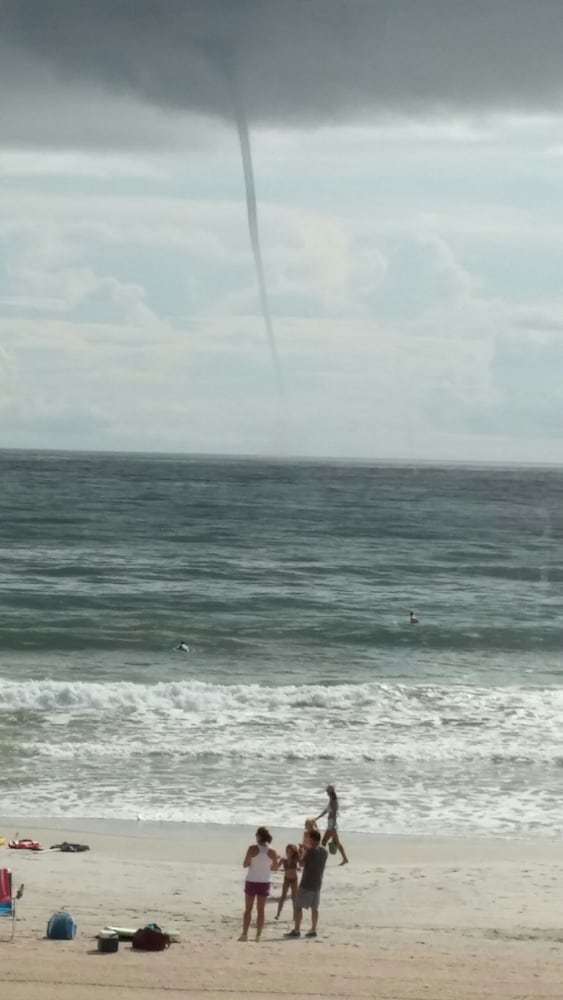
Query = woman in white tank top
x=260 y=859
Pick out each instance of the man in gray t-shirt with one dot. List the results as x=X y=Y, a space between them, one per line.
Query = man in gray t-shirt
x=309 y=891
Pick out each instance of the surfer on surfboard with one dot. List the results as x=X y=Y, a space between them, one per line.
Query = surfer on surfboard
x=412 y=618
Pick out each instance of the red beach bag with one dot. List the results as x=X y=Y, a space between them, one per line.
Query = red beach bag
x=150 y=938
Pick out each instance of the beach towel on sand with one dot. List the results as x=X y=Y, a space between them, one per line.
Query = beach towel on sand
x=66 y=848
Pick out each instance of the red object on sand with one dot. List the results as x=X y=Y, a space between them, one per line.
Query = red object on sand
x=25 y=845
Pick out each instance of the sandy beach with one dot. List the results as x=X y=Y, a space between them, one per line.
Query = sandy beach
x=408 y=918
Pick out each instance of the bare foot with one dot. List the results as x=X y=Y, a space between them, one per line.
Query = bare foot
x=343 y=862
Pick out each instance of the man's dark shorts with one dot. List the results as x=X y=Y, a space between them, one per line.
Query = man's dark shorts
x=308 y=899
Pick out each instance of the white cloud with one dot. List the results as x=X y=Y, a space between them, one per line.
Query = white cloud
x=416 y=314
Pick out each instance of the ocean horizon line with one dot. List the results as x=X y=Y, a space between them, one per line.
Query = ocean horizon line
x=288 y=459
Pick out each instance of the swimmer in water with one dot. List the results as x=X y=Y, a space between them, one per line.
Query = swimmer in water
x=182 y=648
x=412 y=618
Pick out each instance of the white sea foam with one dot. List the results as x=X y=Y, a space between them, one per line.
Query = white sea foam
x=410 y=758
x=420 y=810
x=192 y=696
x=449 y=713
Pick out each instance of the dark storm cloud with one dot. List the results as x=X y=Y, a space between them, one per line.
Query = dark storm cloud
x=295 y=61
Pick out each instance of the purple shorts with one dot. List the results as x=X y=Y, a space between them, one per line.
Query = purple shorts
x=257 y=888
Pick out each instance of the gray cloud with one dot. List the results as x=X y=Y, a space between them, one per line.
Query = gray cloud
x=295 y=61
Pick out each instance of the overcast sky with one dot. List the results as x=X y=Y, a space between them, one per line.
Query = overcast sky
x=408 y=160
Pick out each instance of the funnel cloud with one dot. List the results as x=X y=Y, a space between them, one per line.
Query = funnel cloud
x=252 y=212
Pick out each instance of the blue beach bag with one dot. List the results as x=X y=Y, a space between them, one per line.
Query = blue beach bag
x=61 y=927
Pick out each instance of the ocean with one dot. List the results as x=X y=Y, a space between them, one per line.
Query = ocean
x=291 y=583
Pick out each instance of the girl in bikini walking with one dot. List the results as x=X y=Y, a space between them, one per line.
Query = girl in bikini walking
x=331 y=832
